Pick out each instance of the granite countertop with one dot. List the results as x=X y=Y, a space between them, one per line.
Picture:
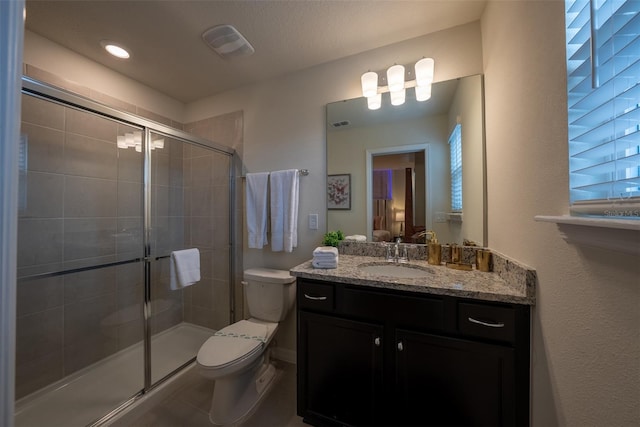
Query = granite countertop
x=510 y=282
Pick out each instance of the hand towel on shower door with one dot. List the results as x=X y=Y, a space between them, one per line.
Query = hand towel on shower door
x=256 y=193
x=284 y=210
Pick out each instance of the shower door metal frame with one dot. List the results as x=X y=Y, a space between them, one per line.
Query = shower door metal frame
x=44 y=91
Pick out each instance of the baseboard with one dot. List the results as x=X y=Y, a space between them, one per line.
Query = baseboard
x=284 y=354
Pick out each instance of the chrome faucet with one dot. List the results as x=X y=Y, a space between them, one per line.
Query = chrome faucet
x=397 y=253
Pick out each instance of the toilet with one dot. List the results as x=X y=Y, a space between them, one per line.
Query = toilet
x=237 y=356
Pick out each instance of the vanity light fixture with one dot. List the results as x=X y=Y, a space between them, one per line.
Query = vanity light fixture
x=115 y=49
x=397 y=85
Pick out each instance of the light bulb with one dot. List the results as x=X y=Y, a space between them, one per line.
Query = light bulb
x=423 y=93
x=395 y=78
x=374 y=102
x=369 y=82
x=424 y=71
x=397 y=98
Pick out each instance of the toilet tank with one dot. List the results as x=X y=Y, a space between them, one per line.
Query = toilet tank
x=270 y=293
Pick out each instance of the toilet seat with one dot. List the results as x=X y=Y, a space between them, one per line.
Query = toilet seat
x=234 y=343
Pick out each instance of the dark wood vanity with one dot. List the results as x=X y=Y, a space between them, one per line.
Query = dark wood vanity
x=368 y=355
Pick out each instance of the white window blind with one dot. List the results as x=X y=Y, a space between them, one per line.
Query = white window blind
x=603 y=75
x=455 y=147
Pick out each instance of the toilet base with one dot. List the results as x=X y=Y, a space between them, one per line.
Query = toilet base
x=234 y=398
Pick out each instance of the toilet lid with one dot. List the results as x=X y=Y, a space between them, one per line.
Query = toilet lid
x=233 y=342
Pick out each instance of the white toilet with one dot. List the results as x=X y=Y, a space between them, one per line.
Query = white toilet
x=236 y=357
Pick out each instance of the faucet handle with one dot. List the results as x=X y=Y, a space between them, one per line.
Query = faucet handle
x=403 y=253
x=388 y=251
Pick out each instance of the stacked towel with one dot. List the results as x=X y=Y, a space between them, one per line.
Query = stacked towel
x=356 y=238
x=325 y=257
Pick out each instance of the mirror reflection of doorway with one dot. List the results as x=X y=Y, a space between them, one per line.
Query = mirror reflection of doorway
x=398 y=195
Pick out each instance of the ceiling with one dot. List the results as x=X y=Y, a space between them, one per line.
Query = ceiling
x=168 y=54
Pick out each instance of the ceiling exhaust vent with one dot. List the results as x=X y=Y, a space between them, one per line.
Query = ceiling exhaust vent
x=341 y=123
x=227 y=42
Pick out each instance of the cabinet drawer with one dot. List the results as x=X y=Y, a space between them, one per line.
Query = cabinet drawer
x=315 y=296
x=421 y=312
x=487 y=321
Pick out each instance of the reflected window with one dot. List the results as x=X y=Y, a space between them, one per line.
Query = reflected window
x=455 y=148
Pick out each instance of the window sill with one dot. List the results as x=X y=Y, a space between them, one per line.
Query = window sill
x=621 y=235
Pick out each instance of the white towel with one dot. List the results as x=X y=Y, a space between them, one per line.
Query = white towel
x=356 y=238
x=256 y=193
x=324 y=264
x=325 y=257
x=325 y=250
x=284 y=186
x=184 y=268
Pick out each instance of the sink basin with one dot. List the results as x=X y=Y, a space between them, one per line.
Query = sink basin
x=395 y=270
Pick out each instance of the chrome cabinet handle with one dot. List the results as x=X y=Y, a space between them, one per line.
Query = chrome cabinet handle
x=315 y=298
x=400 y=346
x=491 y=325
x=377 y=341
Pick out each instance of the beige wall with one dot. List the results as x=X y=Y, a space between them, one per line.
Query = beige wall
x=586 y=346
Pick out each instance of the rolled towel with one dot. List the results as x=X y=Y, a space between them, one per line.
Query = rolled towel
x=356 y=238
x=325 y=250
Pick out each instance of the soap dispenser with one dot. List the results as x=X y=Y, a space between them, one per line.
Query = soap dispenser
x=435 y=250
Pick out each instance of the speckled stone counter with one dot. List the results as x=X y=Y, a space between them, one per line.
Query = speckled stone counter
x=510 y=281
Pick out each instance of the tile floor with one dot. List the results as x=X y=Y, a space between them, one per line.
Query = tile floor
x=189 y=406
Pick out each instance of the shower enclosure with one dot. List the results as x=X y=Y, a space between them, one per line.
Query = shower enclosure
x=104 y=198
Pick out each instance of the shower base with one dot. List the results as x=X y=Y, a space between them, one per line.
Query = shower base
x=87 y=395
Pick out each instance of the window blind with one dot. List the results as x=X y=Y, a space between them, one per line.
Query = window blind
x=603 y=75
x=455 y=147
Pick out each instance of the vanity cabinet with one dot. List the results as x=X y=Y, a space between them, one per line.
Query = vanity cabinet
x=373 y=356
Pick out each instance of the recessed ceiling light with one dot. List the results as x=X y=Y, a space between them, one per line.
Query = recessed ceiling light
x=115 y=49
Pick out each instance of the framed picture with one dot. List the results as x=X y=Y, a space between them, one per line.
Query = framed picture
x=339 y=191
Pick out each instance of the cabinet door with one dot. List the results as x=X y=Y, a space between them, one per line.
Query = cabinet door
x=447 y=381
x=339 y=369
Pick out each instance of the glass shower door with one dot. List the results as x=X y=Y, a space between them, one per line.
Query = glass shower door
x=190 y=193
x=80 y=271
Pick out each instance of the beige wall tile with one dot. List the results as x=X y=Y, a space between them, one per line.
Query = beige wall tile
x=45 y=148
x=43 y=113
x=37 y=295
x=40 y=241
x=90 y=197
x=89 y=284
x=91 y=125
x=130 y=196
x=90 y=157
x=88 y=238
x=44 y=196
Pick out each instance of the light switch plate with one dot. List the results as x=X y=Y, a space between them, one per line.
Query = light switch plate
x=313 y=221
x=441 y=217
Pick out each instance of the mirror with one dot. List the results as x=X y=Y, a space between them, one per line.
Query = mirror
x=398 y=159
